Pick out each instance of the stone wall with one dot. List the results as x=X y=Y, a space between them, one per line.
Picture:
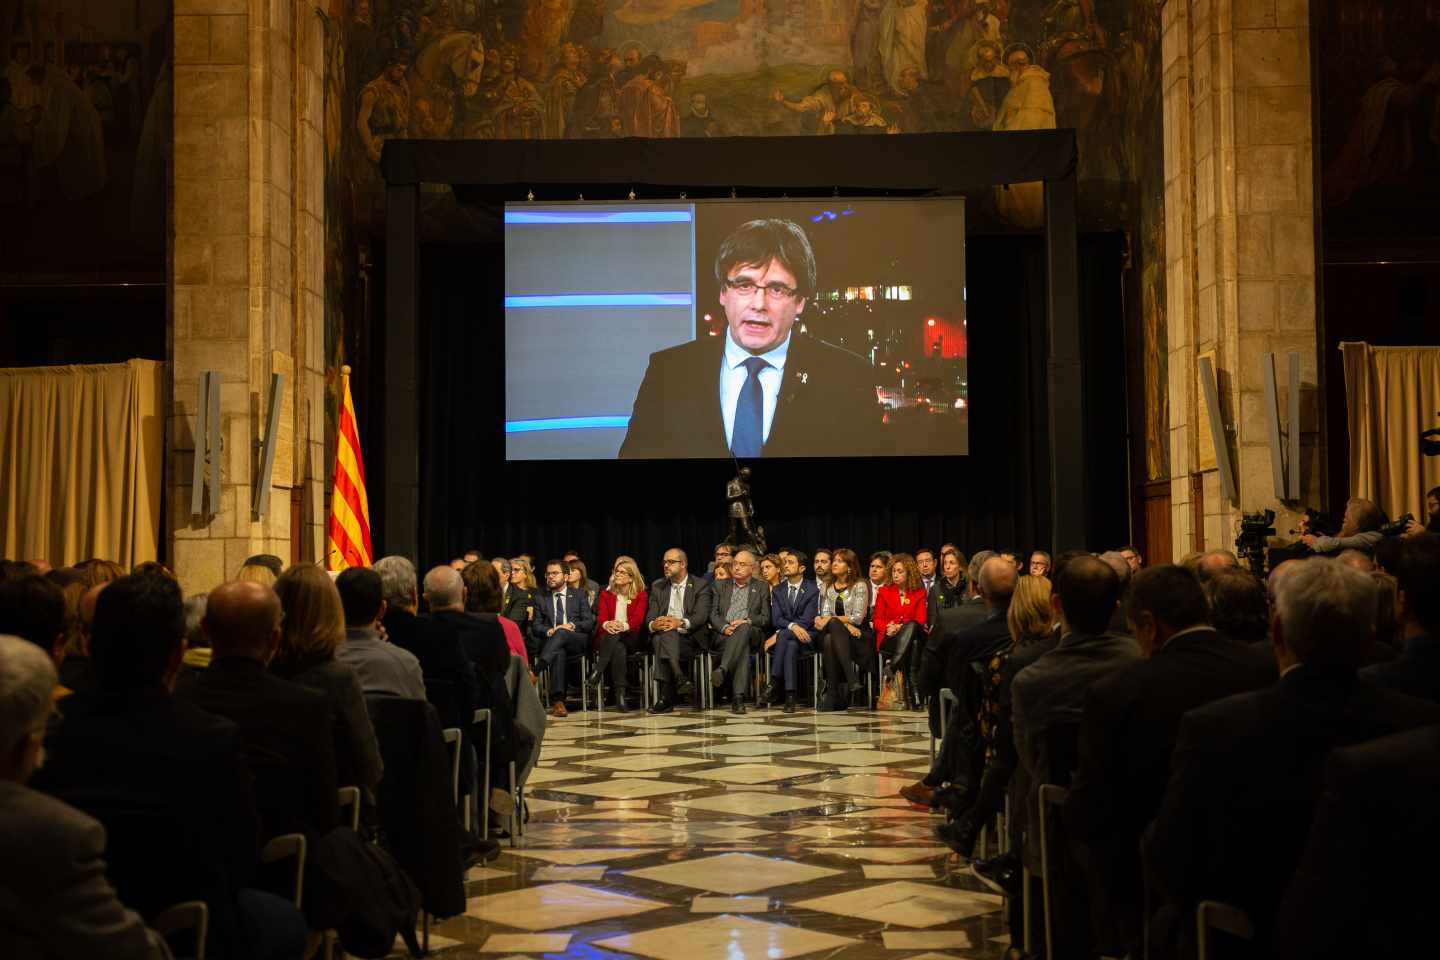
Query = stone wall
x=248 y=273
x=1239 y=201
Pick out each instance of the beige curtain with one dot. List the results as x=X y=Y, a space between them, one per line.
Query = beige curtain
x=81 y=462
x=1391 y=395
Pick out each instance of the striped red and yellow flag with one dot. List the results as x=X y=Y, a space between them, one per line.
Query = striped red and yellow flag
x=349 y=507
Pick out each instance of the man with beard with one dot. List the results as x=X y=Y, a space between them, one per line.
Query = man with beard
x=565 y=84
x=646 y=110
x=519 y=112
x=599 y=99
x=699 y=120
x=921 y=111
x=833 y=100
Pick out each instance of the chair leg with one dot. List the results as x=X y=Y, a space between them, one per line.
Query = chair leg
x=1025 y=908
x=515 y=810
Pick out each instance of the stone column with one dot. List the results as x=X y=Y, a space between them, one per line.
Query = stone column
x=1239 y=212
x=247 y=266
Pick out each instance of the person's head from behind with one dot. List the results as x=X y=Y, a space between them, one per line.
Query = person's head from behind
x=17 y=569
x=1116 y=561
x=242 y=619
x=1239 y=606
x=675 y=564
x=397 y=583
x=1357 y=559
x=1164 y=600
x=27 y=681
x=261 y=568
x=976 y=563
x=1324 y=616
x=1419 y=578
x=766 y=272
x=33 y=609
x=997 y=582
x=555 y=573
x=99 y=571
x=1215 y=562
x=1084 y=594
x=139 y=632
x=1361 y=516
x=314 y=624
x=482 y=588
x=1030 y=613
x=361 y=596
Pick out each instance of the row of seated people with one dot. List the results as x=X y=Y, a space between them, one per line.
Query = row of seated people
x=746 y=604
x=166 y=741
x=1221 y=738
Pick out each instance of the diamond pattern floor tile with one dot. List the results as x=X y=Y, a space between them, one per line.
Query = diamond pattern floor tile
x=750 y=804
x=733 y=873
x=556 y=905
x=906 y=903
x=896 y=854
x=572 y=857
x=628 y=789
x=725 y=936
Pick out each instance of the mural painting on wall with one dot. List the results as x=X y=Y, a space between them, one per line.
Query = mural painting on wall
x=84 y=134
x=580 y=69
x=1379 y=117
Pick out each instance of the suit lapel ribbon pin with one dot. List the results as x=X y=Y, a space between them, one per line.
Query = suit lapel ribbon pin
x=804 y=377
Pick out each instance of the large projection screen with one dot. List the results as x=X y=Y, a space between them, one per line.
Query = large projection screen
x=765 y=328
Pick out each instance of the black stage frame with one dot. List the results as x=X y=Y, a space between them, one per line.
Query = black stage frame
x=930 y=164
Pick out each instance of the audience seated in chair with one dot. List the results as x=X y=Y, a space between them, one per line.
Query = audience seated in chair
x=1127 y=733
x=58 y=900
x=382 y=667
x=430 y=639
x=285 y=728
x=1417 y=669
x=677 y=615
x=619 y=627
x=1246 y=772
x=168 y=780
x=484 y=599
x=739 y=618
x=562 y=627
x=313 y=629
x=901 y=622
x=794 y=603
x=842 y=629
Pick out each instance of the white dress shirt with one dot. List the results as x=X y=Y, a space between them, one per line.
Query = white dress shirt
x=676 y=608
x=732 y=380
x=621 y=607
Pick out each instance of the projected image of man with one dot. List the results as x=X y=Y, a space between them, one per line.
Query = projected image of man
x=773 y=390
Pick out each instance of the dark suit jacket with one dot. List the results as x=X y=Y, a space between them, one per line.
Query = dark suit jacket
x=803 y=610
x=57 y=901
x=577 y=611
x=1127 y=733
x=1244 y=781
x=757 y=610
x=1415 y=672
x=286 y=730
x=517 y=600
x=169 y=783
x=441 y=643
x=977 y=643
x=824 y=388
x=479 y=642
x=1380 y=810
x=699 y=601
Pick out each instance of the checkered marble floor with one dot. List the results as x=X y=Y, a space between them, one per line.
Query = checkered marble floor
x=707 y=836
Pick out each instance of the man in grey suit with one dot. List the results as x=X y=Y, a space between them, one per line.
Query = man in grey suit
x=678 y=617
x=57 y=900
x=738 y=617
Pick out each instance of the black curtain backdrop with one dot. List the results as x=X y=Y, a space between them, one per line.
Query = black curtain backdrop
x=997 y=497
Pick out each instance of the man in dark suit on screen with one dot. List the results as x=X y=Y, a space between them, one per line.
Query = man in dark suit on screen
x=764 y=388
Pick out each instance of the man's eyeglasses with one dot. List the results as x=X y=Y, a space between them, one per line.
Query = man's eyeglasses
x=670 y=563
x=773 y=291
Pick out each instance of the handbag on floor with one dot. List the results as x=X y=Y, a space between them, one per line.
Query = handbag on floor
x=892 y=693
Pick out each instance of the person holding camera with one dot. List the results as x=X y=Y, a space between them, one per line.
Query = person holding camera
x=1360 y=530
x=1432 y=516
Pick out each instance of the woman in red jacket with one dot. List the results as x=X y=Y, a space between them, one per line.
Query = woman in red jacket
x=619 y=626
x=900 y=622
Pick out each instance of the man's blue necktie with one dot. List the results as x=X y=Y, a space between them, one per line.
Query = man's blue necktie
x=748 y=435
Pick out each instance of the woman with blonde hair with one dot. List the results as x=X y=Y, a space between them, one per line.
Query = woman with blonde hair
x=1032 y=632
x=519 y=602
x=619 y=626
x=312 y=630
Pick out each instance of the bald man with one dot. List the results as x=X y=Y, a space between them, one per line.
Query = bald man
x=286 y=729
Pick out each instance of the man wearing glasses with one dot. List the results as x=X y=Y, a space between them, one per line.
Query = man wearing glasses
x=765 y=389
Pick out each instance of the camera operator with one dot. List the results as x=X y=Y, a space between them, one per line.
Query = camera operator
x=1360 y=530
x=1432 y=516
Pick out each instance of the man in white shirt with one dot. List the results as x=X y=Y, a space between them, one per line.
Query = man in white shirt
x=677 y=617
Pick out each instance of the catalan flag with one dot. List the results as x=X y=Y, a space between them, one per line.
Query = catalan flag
x=349 y=507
